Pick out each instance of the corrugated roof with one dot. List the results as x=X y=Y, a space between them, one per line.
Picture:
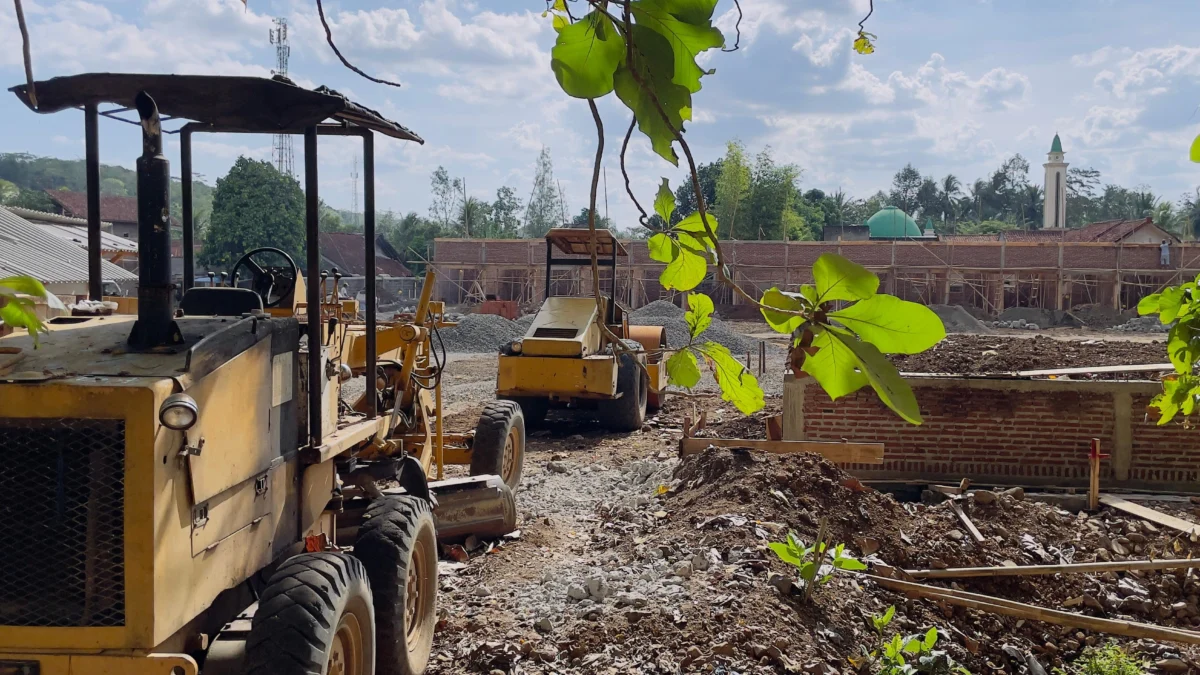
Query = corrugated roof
x=346 y=251
x=109 y=243
x=36 y=217
x=27 y=249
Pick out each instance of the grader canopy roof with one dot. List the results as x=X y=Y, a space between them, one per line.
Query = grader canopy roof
x=575 y=241
x=242 y=104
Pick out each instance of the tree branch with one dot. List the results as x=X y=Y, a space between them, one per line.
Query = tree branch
x=864 y=19
x=737 y=43
x=345 y=62
x=643 y=218
x=26 y=52
x=593 y=242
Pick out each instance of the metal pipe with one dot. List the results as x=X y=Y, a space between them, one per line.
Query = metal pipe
x=185 y=169
x=549 y=264
x=312 y=207
x=154 y=327
x=369 y=236
x=410 y=354
x=91 y=128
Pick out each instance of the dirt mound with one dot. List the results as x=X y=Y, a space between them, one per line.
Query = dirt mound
x=976 y=355
x=959 y=320
x=737 y=499
x=1101 y=316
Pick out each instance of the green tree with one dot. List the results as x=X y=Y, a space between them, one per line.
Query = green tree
x=254 y=205
x=733 y=186
x=411 y=235
x=905 y=185
x=772 y=194
x=546 y=206
x=445 y=196
x=474 y=219
x=8 y=191
x=581 y=220
x=929 y=200
x=506 y=214
x=1189 y=214
x=1082 y=191
x=113 y=186
x=685 y=196
x=949 y=190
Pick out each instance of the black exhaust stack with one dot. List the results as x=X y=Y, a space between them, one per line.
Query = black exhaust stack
x=154 y=327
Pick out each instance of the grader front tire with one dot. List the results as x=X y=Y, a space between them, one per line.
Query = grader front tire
x=315 y=616
x=499 y=445
x=397 y=544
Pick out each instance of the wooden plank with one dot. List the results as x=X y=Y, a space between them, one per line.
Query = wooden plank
x=1138 y=368
x=1147 y=513
x=1038 y=570
x=988 y=603
x=975 y=533
x=842 y=453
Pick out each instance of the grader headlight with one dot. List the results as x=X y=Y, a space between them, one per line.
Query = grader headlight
x=178 y=412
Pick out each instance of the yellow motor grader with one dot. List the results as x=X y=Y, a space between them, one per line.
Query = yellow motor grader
x=565 y=360
x=185 y=490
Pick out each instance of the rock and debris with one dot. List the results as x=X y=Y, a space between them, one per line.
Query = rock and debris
x=631 y=560
x=978 y=355
x=666 y=314
x=479 y=333
x=1143 y=324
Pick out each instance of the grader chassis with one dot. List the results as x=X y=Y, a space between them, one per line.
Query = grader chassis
x=178 y=487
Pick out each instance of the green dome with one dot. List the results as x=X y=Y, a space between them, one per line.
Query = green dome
x=1056 y=146
x=892 y=223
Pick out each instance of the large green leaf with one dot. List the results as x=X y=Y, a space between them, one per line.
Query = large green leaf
x=23 y=284
x=1183 y=347
x=738 y=386
x=699 y=314
x=21 y=313
x=693 y=226
x=685 y=272
x=682 y=369
x=893 y=325
x=1169 y=303
x=1194 y=153
x=839 y=279
x=687 y=26
x=664 y=202
x=883 y=376
x=785 y=553
x=586 y=56
x=779 y=321
x=654 y=63
x=1149 y=304
x=662 y=248
x=834 y=367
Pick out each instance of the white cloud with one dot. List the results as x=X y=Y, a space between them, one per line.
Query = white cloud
x=1150 y=71
x=871 y=87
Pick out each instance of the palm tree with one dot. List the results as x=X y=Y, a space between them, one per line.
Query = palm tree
x=1166 y=217
x=474 y=218
x=1189 y=214
x=948 y=192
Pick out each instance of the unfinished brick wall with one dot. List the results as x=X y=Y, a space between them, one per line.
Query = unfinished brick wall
x=1017 y=432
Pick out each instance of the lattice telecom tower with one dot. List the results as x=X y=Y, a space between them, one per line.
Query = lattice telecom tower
x=282 y=151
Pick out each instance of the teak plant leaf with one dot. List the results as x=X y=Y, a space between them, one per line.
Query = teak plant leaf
x=738 y=385
x=586 y=56
x=893 y=325
x=1180 y=307
x=18 y=310
x=699 y=314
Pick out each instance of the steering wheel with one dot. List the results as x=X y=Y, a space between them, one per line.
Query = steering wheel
x=269 y=272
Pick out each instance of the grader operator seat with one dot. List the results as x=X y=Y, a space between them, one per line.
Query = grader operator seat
x=264 y=277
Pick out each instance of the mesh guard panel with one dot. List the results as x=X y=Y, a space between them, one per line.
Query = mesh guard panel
x=62 y=494
x=561 y=333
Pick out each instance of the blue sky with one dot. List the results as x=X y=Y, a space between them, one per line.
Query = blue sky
x=954 y=87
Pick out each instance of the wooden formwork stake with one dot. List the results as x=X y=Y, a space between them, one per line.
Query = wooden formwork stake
x=1094 y=458
x=975 y=533
x=1067 y=568
x=994 y=605
x=762 y=357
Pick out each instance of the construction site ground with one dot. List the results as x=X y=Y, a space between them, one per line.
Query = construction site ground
x=629 y=559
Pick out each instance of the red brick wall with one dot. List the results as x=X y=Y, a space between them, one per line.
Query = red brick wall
x=1007 y=436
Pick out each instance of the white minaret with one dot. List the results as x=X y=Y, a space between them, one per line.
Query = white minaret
x=1054 y=213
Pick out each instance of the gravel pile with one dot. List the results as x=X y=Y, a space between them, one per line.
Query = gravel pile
x=1019 y=324
x=1143 y=324
x=480 y=333
x=524 y=322
x=663 y=313
x=958 y=320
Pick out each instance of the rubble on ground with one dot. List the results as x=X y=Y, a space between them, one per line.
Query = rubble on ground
x=956 y=319
x=1143 y=324
x=666 y=314
x=979 y=355
x=479 y=333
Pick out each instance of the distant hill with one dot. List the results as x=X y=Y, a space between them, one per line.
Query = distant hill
x=33 y=175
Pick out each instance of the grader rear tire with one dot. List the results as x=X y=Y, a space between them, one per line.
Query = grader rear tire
x=315 y=616
x=499 y=446
x=397 y=545
x=628 y=412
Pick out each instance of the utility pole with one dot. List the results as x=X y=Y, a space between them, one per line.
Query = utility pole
x=282 y=151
